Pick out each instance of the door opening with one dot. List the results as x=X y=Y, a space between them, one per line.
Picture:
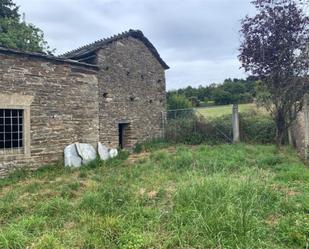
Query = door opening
x=123 y=129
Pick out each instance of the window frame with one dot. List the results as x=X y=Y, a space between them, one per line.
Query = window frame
x=16 y=124
x=18 y=102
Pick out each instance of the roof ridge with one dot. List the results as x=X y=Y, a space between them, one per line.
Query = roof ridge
x=106 y=39
x=92 y=47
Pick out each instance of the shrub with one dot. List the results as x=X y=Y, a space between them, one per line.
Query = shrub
x=176 y=101
x=257 y=128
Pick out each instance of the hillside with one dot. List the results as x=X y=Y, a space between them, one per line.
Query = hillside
x=226 y=196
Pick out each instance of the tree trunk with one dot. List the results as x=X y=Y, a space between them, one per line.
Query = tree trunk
x=280 y=138
x=281 y=128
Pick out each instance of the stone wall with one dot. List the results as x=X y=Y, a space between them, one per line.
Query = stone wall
x=131 y=90
x=300 y=130
x=64 y=106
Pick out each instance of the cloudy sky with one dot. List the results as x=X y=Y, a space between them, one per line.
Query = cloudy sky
x=198 y=39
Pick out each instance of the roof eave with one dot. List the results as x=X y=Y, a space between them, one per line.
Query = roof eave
x=5 y=50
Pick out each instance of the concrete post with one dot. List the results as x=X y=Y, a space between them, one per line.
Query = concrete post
x=306 y=114
x=235 y=121
x=164 y=117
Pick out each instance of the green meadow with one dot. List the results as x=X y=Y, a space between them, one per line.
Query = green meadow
x=217 y=111
x=165 y=196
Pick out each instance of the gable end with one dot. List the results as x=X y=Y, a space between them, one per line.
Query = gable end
x=89 y=50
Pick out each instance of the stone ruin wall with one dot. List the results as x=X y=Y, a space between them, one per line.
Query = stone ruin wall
x=64 y=106
x=71 y=102
x=131 y=90
x=300 y=130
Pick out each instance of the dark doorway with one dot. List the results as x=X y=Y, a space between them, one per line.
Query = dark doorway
x=123 y=135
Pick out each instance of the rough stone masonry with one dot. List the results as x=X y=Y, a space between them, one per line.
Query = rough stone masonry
x=300 y=130
x=112 y=91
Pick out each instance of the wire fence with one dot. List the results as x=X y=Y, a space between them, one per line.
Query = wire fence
x=190 y=126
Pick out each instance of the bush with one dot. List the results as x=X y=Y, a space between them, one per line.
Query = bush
x=257 y=128
x=176 y=101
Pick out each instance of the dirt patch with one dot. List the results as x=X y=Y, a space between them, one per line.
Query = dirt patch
x=152 y=194
x=272 y=220
x=133 y=158
x=287 y=191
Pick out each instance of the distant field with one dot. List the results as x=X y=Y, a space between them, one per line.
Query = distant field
x=217 y=111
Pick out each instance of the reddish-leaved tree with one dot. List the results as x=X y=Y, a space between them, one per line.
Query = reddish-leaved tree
x=275 y=45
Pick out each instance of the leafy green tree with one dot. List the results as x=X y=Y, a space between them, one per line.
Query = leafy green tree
x=176 y=102
x=8 y=9
x=222 y=97
x=23 y=36
x=17 y=34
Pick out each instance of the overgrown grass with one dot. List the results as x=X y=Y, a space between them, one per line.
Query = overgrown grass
x=225 y=196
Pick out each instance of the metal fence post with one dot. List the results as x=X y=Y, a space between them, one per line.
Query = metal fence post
x=235 y=121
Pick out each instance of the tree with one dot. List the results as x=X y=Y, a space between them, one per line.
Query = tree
x=222 y=97
x=194 y=101
x=17 y=34
x=275 y=49
x=176 y=102
x=8 y=9
x=23 y=36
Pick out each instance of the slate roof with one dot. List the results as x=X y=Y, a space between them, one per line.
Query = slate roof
x=10 y=51
x=137 y=34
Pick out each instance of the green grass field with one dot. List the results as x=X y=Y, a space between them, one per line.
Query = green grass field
x=218 y=111
x=227 y=196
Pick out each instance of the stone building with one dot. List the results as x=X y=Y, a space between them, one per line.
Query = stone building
x=112 y=91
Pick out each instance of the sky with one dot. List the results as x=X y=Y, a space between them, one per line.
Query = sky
x=198 y=39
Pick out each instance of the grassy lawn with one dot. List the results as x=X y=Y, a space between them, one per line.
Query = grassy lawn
x=226 y=196
x=218 y=111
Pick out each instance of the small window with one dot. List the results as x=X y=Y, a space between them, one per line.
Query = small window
x=11 y=128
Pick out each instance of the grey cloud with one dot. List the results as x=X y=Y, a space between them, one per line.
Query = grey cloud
x=197 y=38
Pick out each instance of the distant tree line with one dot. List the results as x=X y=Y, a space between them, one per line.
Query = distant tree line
x=229 y=92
